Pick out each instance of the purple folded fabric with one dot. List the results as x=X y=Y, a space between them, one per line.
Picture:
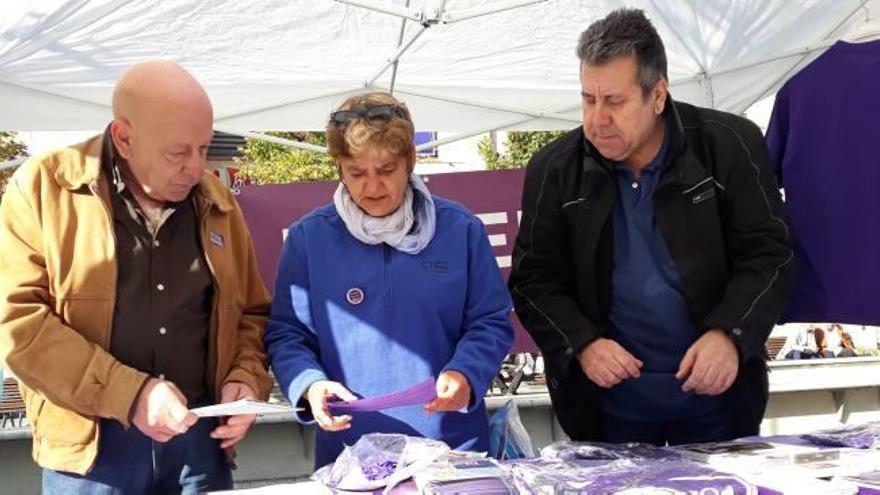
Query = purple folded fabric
x=862 y=436
x=378 y=461
x=539 y=476
x=421 y=393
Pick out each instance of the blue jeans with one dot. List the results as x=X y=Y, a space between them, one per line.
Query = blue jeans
x=709 y=428
x=129 y=462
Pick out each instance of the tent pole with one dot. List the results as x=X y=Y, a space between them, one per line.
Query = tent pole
x=385 y=8
x=687 y=46
x=399 y=42
x=56 y=95
x=807 y=50
x=804 y=56
x=486 y=10
x=465 y=135
x=500 y=108
x=287 y=104
x=427 y=21
x=274 y=139
x=394 y=58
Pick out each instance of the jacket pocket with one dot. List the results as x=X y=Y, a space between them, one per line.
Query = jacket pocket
x=33 y=405
x=703 y=196
x=574 y=210
x=56 y=425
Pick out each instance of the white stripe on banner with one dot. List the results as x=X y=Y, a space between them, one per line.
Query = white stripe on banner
x=503 y=261
x=497 y=239
x=493 y=218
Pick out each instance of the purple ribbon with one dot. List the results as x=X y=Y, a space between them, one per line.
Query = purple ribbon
x=421 y=393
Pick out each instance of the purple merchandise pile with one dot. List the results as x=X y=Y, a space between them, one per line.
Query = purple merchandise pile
x=862 y=436
x=378 y=460
x=673 y=476
x=569 y=451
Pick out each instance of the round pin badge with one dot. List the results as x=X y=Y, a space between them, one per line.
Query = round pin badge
x=354 y=296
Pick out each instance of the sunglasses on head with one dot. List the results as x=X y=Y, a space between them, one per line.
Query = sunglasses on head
x=380 y=114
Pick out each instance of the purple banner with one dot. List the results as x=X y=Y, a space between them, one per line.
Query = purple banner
x=492 y=195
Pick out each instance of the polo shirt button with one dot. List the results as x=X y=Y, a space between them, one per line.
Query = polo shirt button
x=163 y=331
x=160 y=287
x=737 y=331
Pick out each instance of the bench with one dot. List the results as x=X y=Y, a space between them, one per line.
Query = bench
x=774 y=345
x=11 y=405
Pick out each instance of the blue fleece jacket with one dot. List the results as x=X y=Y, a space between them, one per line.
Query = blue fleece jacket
x=379 y=320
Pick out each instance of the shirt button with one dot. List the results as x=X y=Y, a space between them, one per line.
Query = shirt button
x=156 y=243
x=635 y=185
x=161 y=376
x=160 y=287
x=737 y=331
x=163 y=331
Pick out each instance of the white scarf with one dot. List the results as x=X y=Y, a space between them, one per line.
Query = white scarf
x=393 y=229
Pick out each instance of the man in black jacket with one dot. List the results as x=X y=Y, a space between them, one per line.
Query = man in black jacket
x=653 y=258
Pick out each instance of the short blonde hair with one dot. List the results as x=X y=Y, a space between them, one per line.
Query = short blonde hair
x=359 y=135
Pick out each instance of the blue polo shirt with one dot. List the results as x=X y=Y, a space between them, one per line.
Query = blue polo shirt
x=649 y=313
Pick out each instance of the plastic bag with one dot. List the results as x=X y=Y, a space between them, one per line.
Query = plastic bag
x=862 y=436
x=569 y=451
x=479 y=486
x=380 y=460
x=624 y=477
x=471 y=476
x=508 y=438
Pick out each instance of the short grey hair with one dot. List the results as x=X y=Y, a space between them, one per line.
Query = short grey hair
x=622 y=33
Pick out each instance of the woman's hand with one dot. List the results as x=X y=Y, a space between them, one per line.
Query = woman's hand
x=318 y=394
x=453 y=393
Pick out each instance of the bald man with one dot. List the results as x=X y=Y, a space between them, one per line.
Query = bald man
x=129 y=295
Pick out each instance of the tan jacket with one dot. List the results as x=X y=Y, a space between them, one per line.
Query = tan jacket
x=57 y=293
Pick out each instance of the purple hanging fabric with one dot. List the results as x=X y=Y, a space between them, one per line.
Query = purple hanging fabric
x=421 y=393
x=822 y=146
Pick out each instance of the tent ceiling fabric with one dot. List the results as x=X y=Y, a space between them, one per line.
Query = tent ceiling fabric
x=282 y=64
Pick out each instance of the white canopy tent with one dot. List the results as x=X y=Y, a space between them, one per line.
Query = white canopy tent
x=285 y=64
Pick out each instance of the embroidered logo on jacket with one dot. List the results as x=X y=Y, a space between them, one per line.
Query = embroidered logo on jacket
x=436 y=266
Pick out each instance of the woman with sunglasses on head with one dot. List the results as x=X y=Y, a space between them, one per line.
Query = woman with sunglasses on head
x=383 y=288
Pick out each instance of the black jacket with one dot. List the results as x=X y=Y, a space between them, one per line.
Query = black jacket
x=719 y=209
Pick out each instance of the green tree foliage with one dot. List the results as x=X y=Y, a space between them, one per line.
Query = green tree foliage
x=270 y=163
x=521 y=145
x=10 y=148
